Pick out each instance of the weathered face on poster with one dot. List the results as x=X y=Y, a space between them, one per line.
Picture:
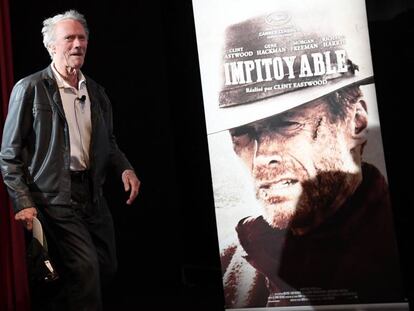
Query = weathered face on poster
x=300 y=188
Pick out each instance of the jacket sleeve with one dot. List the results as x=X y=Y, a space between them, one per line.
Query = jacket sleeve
x=16 y=130
x=117 y=158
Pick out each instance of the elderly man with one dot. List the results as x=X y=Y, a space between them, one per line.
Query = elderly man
x=57 y=147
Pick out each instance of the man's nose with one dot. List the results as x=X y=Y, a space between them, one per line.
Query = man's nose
x=78 y=42
x=267 y=160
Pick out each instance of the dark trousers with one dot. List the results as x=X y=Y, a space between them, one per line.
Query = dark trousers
x=81 y=241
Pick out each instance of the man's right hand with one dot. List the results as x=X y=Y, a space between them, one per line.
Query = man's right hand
x=25 y=216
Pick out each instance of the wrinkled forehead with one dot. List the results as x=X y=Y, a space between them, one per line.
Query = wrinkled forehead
x=69 y=26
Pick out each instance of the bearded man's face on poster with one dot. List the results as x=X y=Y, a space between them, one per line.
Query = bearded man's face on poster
x=306 y=161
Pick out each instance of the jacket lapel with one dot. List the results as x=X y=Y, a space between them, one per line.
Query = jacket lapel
x=93 y=96
x=53 y=91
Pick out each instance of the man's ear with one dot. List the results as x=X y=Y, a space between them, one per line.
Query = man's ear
x=52 y=48
x=359 y=124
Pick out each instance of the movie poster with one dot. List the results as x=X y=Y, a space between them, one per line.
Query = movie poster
x=300 y=185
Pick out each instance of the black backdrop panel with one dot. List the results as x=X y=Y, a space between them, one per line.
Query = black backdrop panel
x=145 y=55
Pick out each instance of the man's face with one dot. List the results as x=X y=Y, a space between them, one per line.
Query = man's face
x=304 y=165
x=69 y=45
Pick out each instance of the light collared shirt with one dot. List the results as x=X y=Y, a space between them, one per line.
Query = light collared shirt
x=78 y=117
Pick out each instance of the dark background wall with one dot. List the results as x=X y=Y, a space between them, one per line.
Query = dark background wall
x=391 y=31
x=145 y=55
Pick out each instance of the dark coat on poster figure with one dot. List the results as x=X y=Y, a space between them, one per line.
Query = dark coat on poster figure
x=54 y=161
x=350 y=256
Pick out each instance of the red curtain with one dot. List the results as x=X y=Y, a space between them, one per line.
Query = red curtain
x=14 y=291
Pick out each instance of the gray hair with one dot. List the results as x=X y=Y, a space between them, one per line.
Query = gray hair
x=48 y=30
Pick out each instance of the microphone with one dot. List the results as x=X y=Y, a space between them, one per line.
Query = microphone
x=82 y=101
x=82 y=98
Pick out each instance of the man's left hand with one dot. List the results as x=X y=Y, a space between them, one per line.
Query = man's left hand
x=131 y=183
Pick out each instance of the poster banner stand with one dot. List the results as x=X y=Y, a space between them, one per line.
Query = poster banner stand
x=301 y=195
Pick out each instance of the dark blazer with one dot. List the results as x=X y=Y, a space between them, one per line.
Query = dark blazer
x=35 y=151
